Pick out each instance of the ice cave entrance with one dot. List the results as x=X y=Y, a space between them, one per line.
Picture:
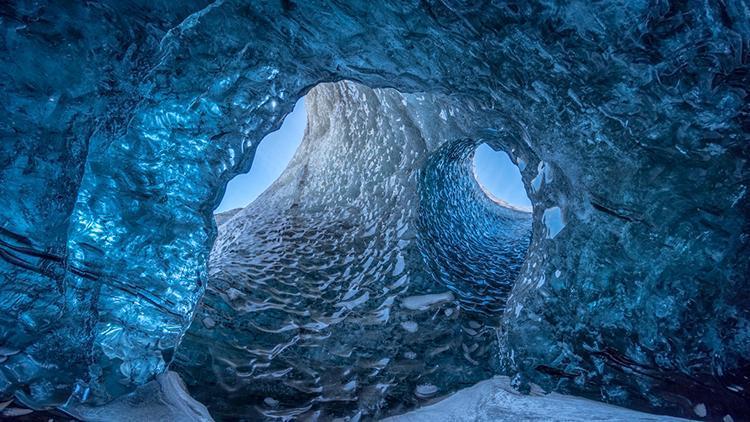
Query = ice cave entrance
x=352 y=236
x=271 y=158
x=500 y=178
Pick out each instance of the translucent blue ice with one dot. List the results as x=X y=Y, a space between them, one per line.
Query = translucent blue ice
x=553 y=221
x=367 y=276
x=123 y=121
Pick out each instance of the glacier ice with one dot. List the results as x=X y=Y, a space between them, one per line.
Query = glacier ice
x=553 y=221
x=495 y=400
x=123 y=121
x=335 y=267
x=162 y=399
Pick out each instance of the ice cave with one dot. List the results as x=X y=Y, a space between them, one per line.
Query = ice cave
x=378 y=277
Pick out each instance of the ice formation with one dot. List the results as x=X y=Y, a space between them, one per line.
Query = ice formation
x=123 y=121
x=496 y=400
x=335 y=267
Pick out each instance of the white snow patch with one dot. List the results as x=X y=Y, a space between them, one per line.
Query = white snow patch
x=495 y=400
x=163 y=399
x=426 y=390
x=410 y=326
x=700 y=410
x=423 y=302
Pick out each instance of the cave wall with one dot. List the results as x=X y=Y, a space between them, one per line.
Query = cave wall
x=123 y=122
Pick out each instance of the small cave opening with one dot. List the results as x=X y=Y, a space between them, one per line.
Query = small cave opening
x=500 y=178
x=473 y=242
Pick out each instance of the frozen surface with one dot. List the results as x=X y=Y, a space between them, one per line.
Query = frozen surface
x=123 y=121
x=553 y=222
x=163 y=399
x=335 y=293
x=494 y=400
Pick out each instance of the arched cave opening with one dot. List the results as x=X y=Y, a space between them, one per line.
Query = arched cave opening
x=500 y=178
x=366 y=280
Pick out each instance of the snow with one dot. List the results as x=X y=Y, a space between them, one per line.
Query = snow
x=423 y=302
x=494 y=400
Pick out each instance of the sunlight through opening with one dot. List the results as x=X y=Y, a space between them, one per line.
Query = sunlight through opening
x=271 y=158
x=500 y=178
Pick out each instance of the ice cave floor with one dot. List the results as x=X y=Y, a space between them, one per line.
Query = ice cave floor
x=489 y=400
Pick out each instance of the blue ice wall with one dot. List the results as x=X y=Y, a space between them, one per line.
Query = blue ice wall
x=471 y=244
x=122 y=122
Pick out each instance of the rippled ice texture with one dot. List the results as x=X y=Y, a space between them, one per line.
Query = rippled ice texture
x=366 y=278
x=123 y=121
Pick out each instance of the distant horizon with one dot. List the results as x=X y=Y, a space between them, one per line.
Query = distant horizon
x=494 y=170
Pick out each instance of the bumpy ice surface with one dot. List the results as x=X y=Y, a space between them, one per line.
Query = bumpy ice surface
x=368 y=276
x=123 y=121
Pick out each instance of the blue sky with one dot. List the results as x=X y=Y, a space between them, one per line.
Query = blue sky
x=494 y=169
x=273 y=154
x=497 y=173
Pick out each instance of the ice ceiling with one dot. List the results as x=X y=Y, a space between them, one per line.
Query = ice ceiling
x=123 y=121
